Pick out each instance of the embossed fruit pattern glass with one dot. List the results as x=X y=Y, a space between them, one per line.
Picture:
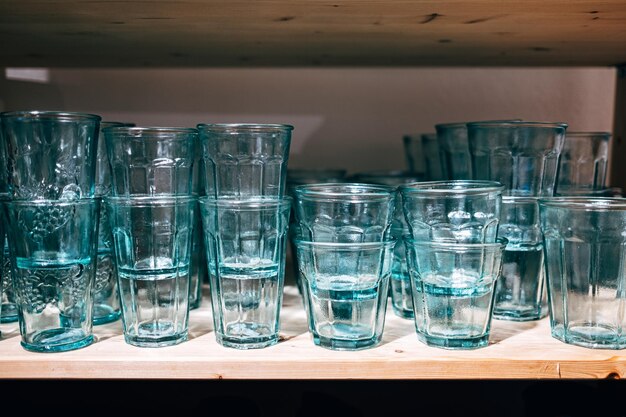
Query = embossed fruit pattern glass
x=153 y=238
x=346 y=291
x=50 y=155
x=453 y=211
x=453 y=286
x=585 y=269
x=245 y=160
x=246 y=242
x=53 y=259
x=583 y=162
x=149 y=161
x=345 y=213
x=8 y=309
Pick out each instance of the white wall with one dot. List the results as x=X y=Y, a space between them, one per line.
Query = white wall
x=343 y=117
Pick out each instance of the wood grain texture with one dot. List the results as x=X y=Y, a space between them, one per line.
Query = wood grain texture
x=87 y=33
x=516 y=351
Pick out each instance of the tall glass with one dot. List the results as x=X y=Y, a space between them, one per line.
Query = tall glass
x=583 y=162
x=416 y=158
x=454 y=150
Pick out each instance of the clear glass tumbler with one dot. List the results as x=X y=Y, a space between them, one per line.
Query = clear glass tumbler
x=453 y=211
x=454 y=150
x=453 y=286
x=585 y=269
x=345 y=213
x=583 y=162
x=245 y=160
x=346 y=291
x=523 y=156
x=50 y=155
x=153 y=237
x=520 y=292
x=52 y=246
x=151 y=161
x=415 y=153
x=246 y=242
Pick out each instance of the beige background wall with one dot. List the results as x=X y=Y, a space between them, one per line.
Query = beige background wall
x=343 y=117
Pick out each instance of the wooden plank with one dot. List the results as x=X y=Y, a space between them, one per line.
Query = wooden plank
x=516 y=351
x=311 y=32
x=618 y=150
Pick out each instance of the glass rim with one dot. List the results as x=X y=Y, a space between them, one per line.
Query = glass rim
x=519 y=199
x=149 y=200
x=516 y=124
x=111 y=123
x=500 y=242
x=224 y=127
x=49 y=114
x=457 y=187
x=51 y=202
x=389 y=243
x=585 y=203
x=247 y=204
x=582 y=134
x=137 y=132
x=334 y=191
x=451 y=125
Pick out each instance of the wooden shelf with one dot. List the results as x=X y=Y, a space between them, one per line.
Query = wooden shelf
x=517 y=351
x=89 y=33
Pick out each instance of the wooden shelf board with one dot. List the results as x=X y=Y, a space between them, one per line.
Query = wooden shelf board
x=90 y=33
x=516 y=351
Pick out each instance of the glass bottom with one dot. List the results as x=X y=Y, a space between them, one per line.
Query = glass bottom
x=405 y=314
x=248 y=335
x=590 y=335
x=194 y=304
x=457 y=343
x=516 y=312
x=57 y=340
x=9 y=313
x=103 y=314
x=345 y=344
x=248 y=343
x=151 y=334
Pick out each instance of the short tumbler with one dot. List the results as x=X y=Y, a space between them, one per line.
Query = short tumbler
x=583 y=162
x=586 y=270
x=453 y=211
x=346 y=291
x=152 y=237
x=52 y=247
x=345 y=213
x=245 y=160
x=453 y=288
x=246 y=242
x=51 y=155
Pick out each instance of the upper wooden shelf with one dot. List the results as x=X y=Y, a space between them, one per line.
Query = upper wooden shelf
x=516 y=351
x=104 y=33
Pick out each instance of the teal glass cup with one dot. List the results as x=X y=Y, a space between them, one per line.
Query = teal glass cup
x=153 y=238
x=106 y=305
x=452 y=211
x=245 y=160
x=584 y=248
x=453 y=290
x=51 y=155
x=454 y=150
x=583 y=163
x=346 y=291
x=522 y=156
x=8 y=307
x=53 y=247
x=246 y=242
x=345 y=213
x=199 y=272
x=151 y=161
x=521 y=292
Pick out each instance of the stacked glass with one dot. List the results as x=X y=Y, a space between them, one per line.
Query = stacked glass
x=400 y=283
x=151 y=212
x=52 y=216
x=524 y=157
x=454 y=259
x=246 y=221
x=345 y=253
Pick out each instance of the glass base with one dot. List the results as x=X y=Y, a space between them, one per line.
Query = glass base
x=57 y=340
x=518 y=313
x=156 y=342
x=247 y=343
x=405 y=314
x=590 y=335
x=346 y=344
x=454 y=343
x=9 y=313
x=103 y=314
x=195 y=304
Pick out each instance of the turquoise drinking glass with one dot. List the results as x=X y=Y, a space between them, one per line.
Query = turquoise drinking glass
x=583 y=163
x=454 y=150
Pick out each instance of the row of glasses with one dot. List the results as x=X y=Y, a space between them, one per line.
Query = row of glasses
x=246 y=220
